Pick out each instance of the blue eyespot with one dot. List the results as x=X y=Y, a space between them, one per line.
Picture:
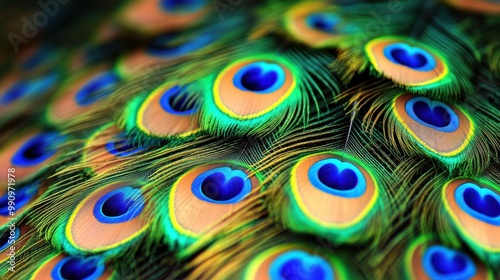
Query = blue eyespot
x=439 y=262
x=297 y=264
x=481 y=203
x=433 y=114
x=415 y=58
x=325 y=22
x=121 y=147
x=222 y=185
x=119 y=206
x=97 y=88
x=78 y=268
x=260 y=77
x=176 y=101
x=337 y=178
x=37 y=149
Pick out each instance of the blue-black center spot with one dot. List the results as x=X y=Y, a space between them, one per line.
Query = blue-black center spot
x=122 y=146
x=36 y=150
x=322 y=21
x=486 y=204
x=446 y=264
x=117 y=205
x=78 y=268
x=217 y=187
x=412 y=60
x=97 y=89
x=437 y=116
x=256 y=79
x=299 y=269
x=329 y=175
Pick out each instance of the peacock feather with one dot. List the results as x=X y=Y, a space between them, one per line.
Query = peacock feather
x=263 y=139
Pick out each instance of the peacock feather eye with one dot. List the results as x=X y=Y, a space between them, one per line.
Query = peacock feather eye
x=78 y=268
x=315 y=24
x=426 y=260
x=118 y=206
x=120 y=146
x=107 y=148
x=221 y=185
x=478 y=6
x=168 y=111
x=201 y=197
x=252 y=87
x=60 y=266
x=406 y=62
x=96 y=89
x=332 y=195
x=474 y=209
x=251 y=95
x=113 y=212
x=294 y=261
x=442 y=130
x=155 y=16
x=82 y=94
x=30 y=154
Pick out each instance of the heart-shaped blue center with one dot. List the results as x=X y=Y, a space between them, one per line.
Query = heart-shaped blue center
x=182 y=6
x=437 y=116
x=439 y=262
x=37 y=149
x=325 y=22
x=22 y=196
x=481 y=203
x=176 y=100
x=119 y=205
x=260 y=77
x=222 y=185
x=298 y=264
x=122 y=147
x=431 y=113
x=97 y=88
x=414 y=57
x=8 y=238
x=76 y=268
x=329 y=175
x=337 y=177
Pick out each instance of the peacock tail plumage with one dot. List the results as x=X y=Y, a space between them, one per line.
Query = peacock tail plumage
x=230 y=139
